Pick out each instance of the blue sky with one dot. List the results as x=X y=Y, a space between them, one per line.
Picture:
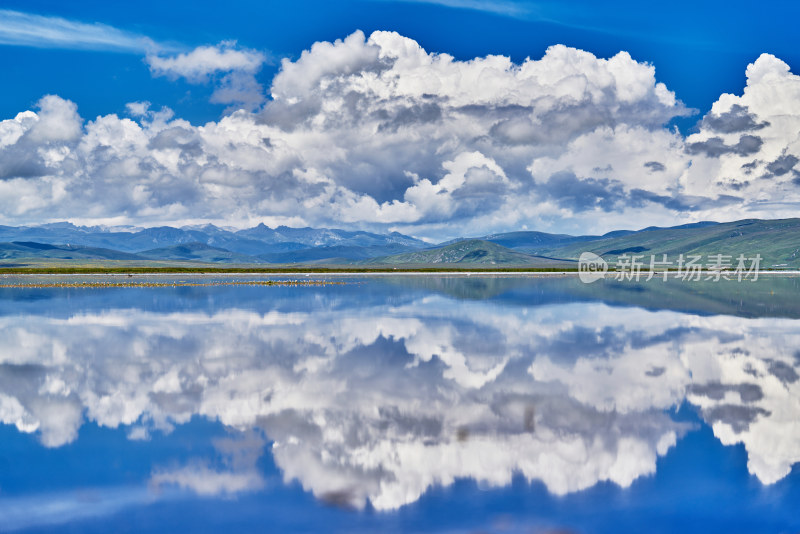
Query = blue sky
x=699 y=49
x=95 y=56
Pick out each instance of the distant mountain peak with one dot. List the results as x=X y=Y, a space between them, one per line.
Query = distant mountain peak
x=206 y=226
x=777 y=240
x=61 y=225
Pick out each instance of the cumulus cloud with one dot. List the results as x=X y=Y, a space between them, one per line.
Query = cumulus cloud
x=747 y=138
x=231 y=67
x=715 y=147
x=737 y=119
x=655 y=166
x=782 y=165
x=196 y=66
x=206 y=481
x=238 y=473
x=375 y=132
x=57 y=122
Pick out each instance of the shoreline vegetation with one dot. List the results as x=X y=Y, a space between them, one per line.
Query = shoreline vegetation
x=306 y=269
x=286 y=270
x=175 y=283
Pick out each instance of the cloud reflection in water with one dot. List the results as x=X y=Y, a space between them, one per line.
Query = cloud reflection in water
x=378 y=402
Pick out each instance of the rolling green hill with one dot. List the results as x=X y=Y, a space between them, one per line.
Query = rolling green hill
x=334 y=254
x=468 y=252
x=197 y=252
x=30 y=250
x=530 y=242
x=778 y=242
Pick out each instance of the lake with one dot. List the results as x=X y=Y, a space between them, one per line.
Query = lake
x=409 y=403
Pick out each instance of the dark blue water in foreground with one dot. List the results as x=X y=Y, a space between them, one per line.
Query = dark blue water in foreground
x=402 y=404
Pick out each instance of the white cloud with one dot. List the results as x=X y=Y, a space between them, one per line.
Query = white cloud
x=509 y=8
x=365 y=132
x=57 y=121
x=240 y=473
x=137 y=109
x=12 y=413
x=748 y=145
x=233 y=69
x=204 y=61
x=360 y=130
x=208 y=482
x=26 y=29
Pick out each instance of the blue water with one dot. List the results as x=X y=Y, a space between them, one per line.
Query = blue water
x=402 y=404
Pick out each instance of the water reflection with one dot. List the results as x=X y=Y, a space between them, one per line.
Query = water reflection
x=374 y=392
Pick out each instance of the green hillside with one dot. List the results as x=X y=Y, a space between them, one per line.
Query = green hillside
x=470 y=252
x=23 y=250
x=778 y=242
x=197 y=252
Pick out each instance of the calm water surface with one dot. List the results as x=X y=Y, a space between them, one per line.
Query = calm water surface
x=402 y=404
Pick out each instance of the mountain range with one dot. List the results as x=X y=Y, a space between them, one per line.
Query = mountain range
x=778 y=242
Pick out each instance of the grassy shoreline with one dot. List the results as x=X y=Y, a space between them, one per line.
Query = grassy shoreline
x=181 y=283
x=294 y=269
x=270 y=270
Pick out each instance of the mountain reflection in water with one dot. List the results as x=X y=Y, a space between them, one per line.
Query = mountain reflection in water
x=373 y=393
